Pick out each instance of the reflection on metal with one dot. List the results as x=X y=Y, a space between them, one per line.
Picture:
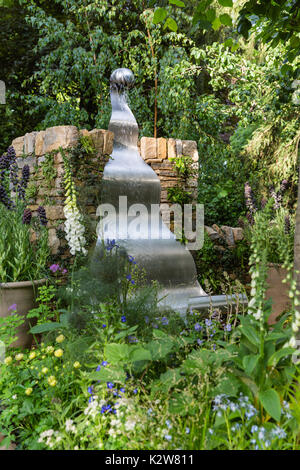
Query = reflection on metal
x=217 y=301
x=162 y=257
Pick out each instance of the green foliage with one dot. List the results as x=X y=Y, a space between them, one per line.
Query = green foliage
x=48 y=169
x=21 y=259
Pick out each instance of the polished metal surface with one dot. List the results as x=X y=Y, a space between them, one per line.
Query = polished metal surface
x=155 y=250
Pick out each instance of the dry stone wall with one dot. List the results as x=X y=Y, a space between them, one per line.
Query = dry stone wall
x=40 y=150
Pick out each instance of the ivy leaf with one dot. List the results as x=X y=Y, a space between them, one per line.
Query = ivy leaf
x=159 y=15
x=178 y=3
x=171 y=24
x=216 y=24
x=226 y=19
x=226 y=3
x=271 y=403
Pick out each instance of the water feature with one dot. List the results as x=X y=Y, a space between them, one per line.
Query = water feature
x=126 y=175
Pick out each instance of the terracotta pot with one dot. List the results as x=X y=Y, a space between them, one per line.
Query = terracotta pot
x=22 y=294
x=277 y=291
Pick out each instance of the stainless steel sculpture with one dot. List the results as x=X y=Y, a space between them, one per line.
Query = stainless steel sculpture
x=162 y=257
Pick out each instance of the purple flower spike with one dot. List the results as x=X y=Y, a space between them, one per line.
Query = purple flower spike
x=27 y=216
x=42 y=216
x=54 y=268
x=13 y=307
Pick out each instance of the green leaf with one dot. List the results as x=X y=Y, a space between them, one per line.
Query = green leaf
x=228 y=384
x=159 y=349
x=178 y=3
x=167 y=380
x=179 y=404
x=140 y=354
x=223 y=193
x=116 y=353
x=275 y=358
x=159 y=15
x=228 y=42
x=46 y=327
x=171 y=24
x=250 y=334
x=216 y=24
x=286 y=68
x=226 y=3
x=211 y=14
x=109 y=374
x=226 y=19
x=271 y=403
x=249 y=363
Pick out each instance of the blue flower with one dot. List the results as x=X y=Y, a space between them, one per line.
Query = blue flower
x=103 y=325
x=98 y=368
x=132 y=339
x=168 y=437
x=135 y=391
x=164 y=321
x=198 y=327
x=123 y=319
x=187 y=430
x=227 y=327
x=90 y=390
x=200 y=341
x=122 y=390
x=168 y=423
x=104 y=363
x=208 y=322
x=110 y=244
x=110 y=385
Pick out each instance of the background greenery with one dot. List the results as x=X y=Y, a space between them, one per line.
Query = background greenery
x=195 y=79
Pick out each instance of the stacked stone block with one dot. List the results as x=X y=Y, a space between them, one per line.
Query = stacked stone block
x=33 y=148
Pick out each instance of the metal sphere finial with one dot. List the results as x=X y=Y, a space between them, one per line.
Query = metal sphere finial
x=122 y=78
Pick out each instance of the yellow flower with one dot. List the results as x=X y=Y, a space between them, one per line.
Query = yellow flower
x=60 y=339
x=44 y=370
x=52 y=381
x=76 y=365
x=19 y=357
x=32 y=355
x=58 y=353
x=50 y=349
x=8 y=360
x=28 y=391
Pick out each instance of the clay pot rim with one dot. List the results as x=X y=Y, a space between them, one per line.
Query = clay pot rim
x=20 y=284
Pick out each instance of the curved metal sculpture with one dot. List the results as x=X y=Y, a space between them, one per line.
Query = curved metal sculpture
x=161 y=256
